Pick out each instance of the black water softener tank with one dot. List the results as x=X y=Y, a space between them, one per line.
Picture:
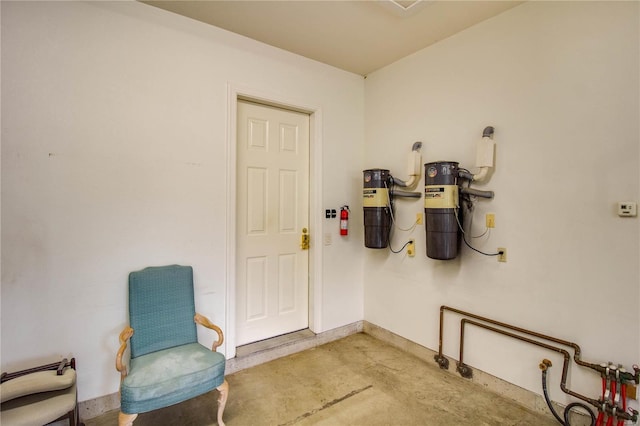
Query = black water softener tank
x=376 y=202
x=440 y=205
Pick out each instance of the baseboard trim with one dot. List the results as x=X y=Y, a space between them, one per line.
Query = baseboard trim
x=98 y=406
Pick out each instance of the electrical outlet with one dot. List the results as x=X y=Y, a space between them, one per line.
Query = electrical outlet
x=411 y=249
x=491 y=220
x=502 y=256
x=418 y=218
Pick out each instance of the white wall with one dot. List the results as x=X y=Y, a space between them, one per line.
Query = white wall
x=559 y=81
x=114 y=158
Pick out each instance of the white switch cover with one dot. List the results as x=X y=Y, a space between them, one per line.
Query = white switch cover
x=327 y=239
x=627 y=209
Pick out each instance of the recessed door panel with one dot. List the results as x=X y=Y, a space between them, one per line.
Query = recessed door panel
x=288 y=192
x=256 y=295
x=257 y=187
x=287 y=283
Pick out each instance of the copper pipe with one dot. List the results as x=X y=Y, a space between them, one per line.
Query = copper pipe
x=565 y=354
x=576 y=348
x=444 y=362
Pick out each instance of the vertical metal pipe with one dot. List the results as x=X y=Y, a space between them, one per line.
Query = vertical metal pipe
x=442 y=361
x=441 y=330
x=461 y=341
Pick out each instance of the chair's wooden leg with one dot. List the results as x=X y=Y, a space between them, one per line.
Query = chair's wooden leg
x=74 y=416
x=126 y=419
x=222 y=400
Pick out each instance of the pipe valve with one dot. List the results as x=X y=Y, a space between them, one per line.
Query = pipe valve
x=544 y=364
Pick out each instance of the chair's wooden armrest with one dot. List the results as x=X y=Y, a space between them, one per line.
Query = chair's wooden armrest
x=124 y=336
x=204 y=321
x=63 y=364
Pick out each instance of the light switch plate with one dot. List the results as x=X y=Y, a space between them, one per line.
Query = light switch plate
x=627 y=209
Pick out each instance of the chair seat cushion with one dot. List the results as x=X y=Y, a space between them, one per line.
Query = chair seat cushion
x=41 y=381
x=170 y=376
x=38 y=409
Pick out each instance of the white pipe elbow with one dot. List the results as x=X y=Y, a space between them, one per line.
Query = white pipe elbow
x=481 y=175
x=412 y=180
x=414 y=167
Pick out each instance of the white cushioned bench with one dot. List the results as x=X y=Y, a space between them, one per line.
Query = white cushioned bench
x=40 y=395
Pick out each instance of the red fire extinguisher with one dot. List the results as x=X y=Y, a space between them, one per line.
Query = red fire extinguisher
x=344 y=220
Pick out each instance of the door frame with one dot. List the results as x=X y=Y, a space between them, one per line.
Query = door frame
x=234 y=93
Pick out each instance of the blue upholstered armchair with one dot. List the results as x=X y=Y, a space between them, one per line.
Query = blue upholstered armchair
x=167 y=364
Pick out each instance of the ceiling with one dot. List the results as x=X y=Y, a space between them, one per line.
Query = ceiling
x=359 y=36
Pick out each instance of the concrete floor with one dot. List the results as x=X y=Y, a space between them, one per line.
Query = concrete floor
x=358 y=380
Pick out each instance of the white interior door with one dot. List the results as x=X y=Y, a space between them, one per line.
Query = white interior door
x=272 y=270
